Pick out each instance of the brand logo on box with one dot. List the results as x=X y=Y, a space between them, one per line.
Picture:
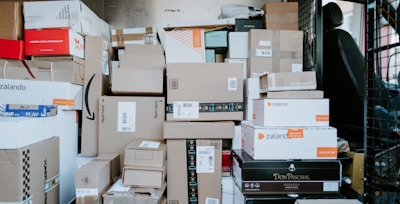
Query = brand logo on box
x=78 y=44
x=292 y=133
x=19 y=87
x=269 y=104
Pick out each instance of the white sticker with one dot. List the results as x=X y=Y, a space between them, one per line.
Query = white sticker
x=106 y=67
x=186 y=109
x=82 y=192
x=265 y=43
x=212 y=200
x=149 y=144
x=205 y=159
x=232 y=84
x=297 y=67
x=330 y=186
x=263 y=52
x=126 y=117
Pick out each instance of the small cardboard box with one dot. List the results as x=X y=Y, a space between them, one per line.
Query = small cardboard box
x=134 y=36
x=185 y=46
x=11 y=20
x=92 y=180
x=137 y=81
x=208 y=170
x=148 y=153
x=153 y=177
x=12 y=49
x=281 y=15
x=238 y=45
x=285 y=81
x=276 y=143
x=199 y=130
x=142 y=61
x=30 y=174
x=115 y=164
x=54 y=42
x=291 y=112
x=139 y=49
x=355 y=169
x=218 y=88
x=244 y=25
x=275 y=51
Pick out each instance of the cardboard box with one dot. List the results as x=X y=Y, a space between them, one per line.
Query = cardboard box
x=291 y=112
x=74 y=15
x=119 y=194
x=30 y=174
x=65 y=95
x=184 y=46
x=301 y=94
x=355 y=169
x=261 y=142
x=54 y=42
x=251 y=92
x=115 y=164
x=12 y=49
x=124 y=118
x=205 y=177
x=238 y=45
x=284 y=81
x=244 y=25
x=92 y=180
x=199 y=130
x=134 y=36
x=11 y=20
x=242 y=61
x=275 y=51
x=218 y=88
x=137 y=81
x=216 y=39
x=143 y=176
x=142 y=61
x=327 y=201
x=26 y=110
x=147 y=153
x=139 y=49
x=96 y=83
x=281 y=15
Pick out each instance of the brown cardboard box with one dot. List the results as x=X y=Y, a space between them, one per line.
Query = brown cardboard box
x=140 y=49
x=143 y=61
x=91 y=181
x=204 y=91
x=98 y=53
x=124 y=118
x=30 y=174
x=149 y=153
x=127 y=36
x=139 y=176
x=199 y=130
x=281 y=15
x=208 y=174
x=275 y=51
x=11 y=20
x=115 y=164
x=138 y=81
x=355 y=170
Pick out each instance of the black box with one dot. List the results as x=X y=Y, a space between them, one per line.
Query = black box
x=244 y=25
x=319 y=176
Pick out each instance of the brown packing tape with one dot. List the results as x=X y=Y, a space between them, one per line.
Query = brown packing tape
x=276 y=51
x=121 y=38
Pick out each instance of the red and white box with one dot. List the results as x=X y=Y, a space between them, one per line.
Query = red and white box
x=12 y=49
x=54 y=42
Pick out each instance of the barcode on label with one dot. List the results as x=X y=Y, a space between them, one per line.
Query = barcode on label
x=232 y=84
x=173 y=202
x=264 y=52
x=124 y=119
x=212 y=201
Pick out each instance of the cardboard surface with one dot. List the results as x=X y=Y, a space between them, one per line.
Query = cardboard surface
x=145 y=49
x=281 y=15
x=138 y=81
x=355 y=169
x=150 y=177
x=123 y=37
x=115 y=164
x=148 y=153
x=11 y=20
x=238 y=45
x=286 y=81
x=198 y=130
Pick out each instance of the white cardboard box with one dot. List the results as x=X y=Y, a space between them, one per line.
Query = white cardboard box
x=74 y=15
x=238 y=44
x=291 y=112
x=185 y=46
x=262 y=142
x=288 y=81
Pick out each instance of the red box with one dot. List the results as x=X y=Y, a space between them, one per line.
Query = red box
x=226 y=161
x=53 y=42
x=12 y=49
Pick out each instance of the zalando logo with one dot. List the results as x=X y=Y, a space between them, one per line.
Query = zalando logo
x=290 y=134
x=269 y=104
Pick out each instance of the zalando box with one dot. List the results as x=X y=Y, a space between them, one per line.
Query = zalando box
x=124 y=118
x=291 y=112
x=54 y=42
x=74 y=15
x=149 y=153
x=262 y=142
x=30 y=174
x=204 y=91
x=184 y=46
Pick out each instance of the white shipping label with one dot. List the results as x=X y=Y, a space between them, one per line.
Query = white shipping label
x=265 y=43
x=297 y=67
x=330 y=186
x=232 y=84
x=212 y=200
x=82 y=192
x=263 y=52
x=186 y=109
x=149 y=144
x=126 y=117
x=106 y=68
x=205 y=159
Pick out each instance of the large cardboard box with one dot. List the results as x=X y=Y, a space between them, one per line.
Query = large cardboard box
x=122 y=37
x=137 y=81
x=11 y=20
x=204 y=175
x=204 y=91
x=355 y=169
x=30 y=174
x=291 y=112
x=124 y=118
x=274 y=143
x=54 y=42
x=91 y=181
x=286 y=81
x=149 y=153
x=281 y=15
x=70 y=69
x=74 y=15
x=185 y=46
x=96 y=83
x=115 y=164
x=140 y=49
x=143 y=176
x=275 y=51
x=198 y=130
